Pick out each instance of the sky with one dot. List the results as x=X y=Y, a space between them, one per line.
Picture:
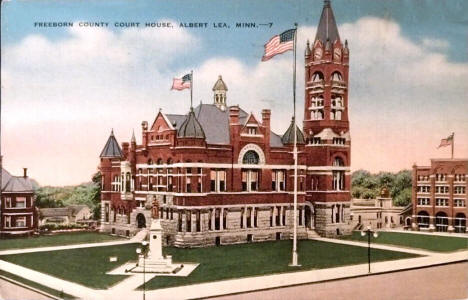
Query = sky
x=64 y=88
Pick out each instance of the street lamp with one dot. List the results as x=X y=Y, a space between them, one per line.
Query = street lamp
x=369 y=233
x=142 y=252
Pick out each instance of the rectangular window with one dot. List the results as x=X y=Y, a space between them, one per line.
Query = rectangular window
x=7 y=221
x=222 y=181
x=7 y=202
x=213 y=181
x=253 y=180
x=441 y=202
x=20 y=222
x=188 y=185
x=244 y=181
x=459 y=190
x=20 y=202
x=252 y=130
x=424 y=189
x=199 y=185
x=424 y=201
x=459 y=202
x=442 y=189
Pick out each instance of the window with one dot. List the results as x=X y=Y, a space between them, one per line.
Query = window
x=7 y=202
x=20 y=202
x=218 y=180
x=424 y=189
x=423 y=219
x=317 y=77
x=251 y=158
x=339 y=141
x=459 y=202
x=252 y=130
x=459 y=190
x=20 y=222
x=441 y=177
x=338 y=176
x=336 y=77
x=460 y=178
x=441 y=202
x=316 y=141
x=7 y=221
x=423 y=178
x=188 y=185
x=424 y=201
x=442 y=189
x=277 y=182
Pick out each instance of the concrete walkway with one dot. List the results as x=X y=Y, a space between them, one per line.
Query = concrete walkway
x=435 y=233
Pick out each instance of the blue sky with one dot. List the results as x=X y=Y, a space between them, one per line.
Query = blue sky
x=63 y=89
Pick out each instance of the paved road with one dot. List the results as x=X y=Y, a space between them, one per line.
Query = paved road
x=12 y=291
x=441 y=282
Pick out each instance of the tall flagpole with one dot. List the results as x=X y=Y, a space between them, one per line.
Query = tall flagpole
x=453 y=142
x=294 y=251
x=191 y=89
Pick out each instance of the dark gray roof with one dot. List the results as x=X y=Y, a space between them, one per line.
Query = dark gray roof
x=220 y=84
x=288 y=136
x=215 y=123
x=112 y=148
x=327 y=29
x=15 y=184
x=191 y=128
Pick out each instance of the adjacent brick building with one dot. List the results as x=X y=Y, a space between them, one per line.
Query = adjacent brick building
x=222 y=176
x=439 y=195
x=18 y=214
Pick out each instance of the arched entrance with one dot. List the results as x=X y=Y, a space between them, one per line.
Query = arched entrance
x=423 y=219
x=141 y=221
x=460 y=223
x=408 y=221
x=441 y=222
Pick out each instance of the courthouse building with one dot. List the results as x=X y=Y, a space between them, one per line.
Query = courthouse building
x=439 y=196
x=221 y=175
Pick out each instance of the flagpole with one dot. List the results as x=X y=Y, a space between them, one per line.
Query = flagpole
x=191 y=88
x=294 y=251
x=453 y=142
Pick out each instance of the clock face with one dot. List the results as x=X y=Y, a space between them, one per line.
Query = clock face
x=318 y=53
x=337 y=53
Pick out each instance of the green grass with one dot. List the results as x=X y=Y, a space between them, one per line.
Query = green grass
x=37 y=286
x=86 y=266
x=235 y=261
x=413 y=240
x=59 y=239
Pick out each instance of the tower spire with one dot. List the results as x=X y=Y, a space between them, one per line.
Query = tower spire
x=327 y=29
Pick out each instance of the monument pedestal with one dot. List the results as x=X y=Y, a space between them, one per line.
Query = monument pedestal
x=155 y=262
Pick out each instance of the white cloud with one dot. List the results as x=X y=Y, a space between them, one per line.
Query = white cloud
x=435 y=44
x=74 y=90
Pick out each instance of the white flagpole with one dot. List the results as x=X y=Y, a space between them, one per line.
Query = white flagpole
x=294 y=262
x=191 y=88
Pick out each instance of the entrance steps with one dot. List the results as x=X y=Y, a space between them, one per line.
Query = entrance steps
x=140 y=236
x=312 y=234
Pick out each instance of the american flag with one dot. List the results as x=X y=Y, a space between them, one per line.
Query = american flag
x=446 y=142
x=182 y=83
x=279 y=44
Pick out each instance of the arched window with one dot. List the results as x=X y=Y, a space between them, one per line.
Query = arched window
x=317 y=77
x=423 y=219
x=441 y=222
x=338 y=162
x=150 y=161
x=159 y=161
x=251 y=158
x=336 y=76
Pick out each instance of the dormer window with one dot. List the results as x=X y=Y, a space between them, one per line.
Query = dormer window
x=252 y=130
x=339 y=141
x=315 y=141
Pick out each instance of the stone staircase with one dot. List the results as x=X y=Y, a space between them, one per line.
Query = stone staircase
x=312 y=234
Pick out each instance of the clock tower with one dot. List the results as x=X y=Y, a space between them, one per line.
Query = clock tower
x=326 y=127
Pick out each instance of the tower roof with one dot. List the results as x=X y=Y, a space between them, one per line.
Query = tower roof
x=112 y=148
x=191 y=128
x=327 y=29
x=288 y=136
x=220 y=85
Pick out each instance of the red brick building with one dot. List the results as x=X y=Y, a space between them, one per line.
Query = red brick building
x=17 y=209
x=222 y=176
x=439 y=196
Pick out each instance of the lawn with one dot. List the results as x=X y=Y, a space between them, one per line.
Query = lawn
x=86 y=266
x=36 y=285
x=58 y=239
x=413 y=240
x=235 y=261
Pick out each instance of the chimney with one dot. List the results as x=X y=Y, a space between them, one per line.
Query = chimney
x=266 y=114
x=125 y=150
x=25 y=172
x=234 y=115
x=144 y=128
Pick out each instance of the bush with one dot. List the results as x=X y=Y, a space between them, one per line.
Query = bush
x=54 y=226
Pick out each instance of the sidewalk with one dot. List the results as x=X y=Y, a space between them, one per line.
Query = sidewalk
x=460 y=235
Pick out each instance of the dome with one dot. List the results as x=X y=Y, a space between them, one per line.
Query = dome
x=191 y=128
x=288 y=136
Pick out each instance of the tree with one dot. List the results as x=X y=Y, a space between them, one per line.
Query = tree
x=403 y=198
x=96 y=194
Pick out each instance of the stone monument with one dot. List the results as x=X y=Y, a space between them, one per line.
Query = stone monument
x=153 y=261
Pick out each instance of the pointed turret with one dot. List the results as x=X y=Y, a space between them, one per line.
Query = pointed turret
x=327 y=29
x=307 y=50
x=191 y=128
x=220 y=90
x=112 y=148
x=288 y=136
